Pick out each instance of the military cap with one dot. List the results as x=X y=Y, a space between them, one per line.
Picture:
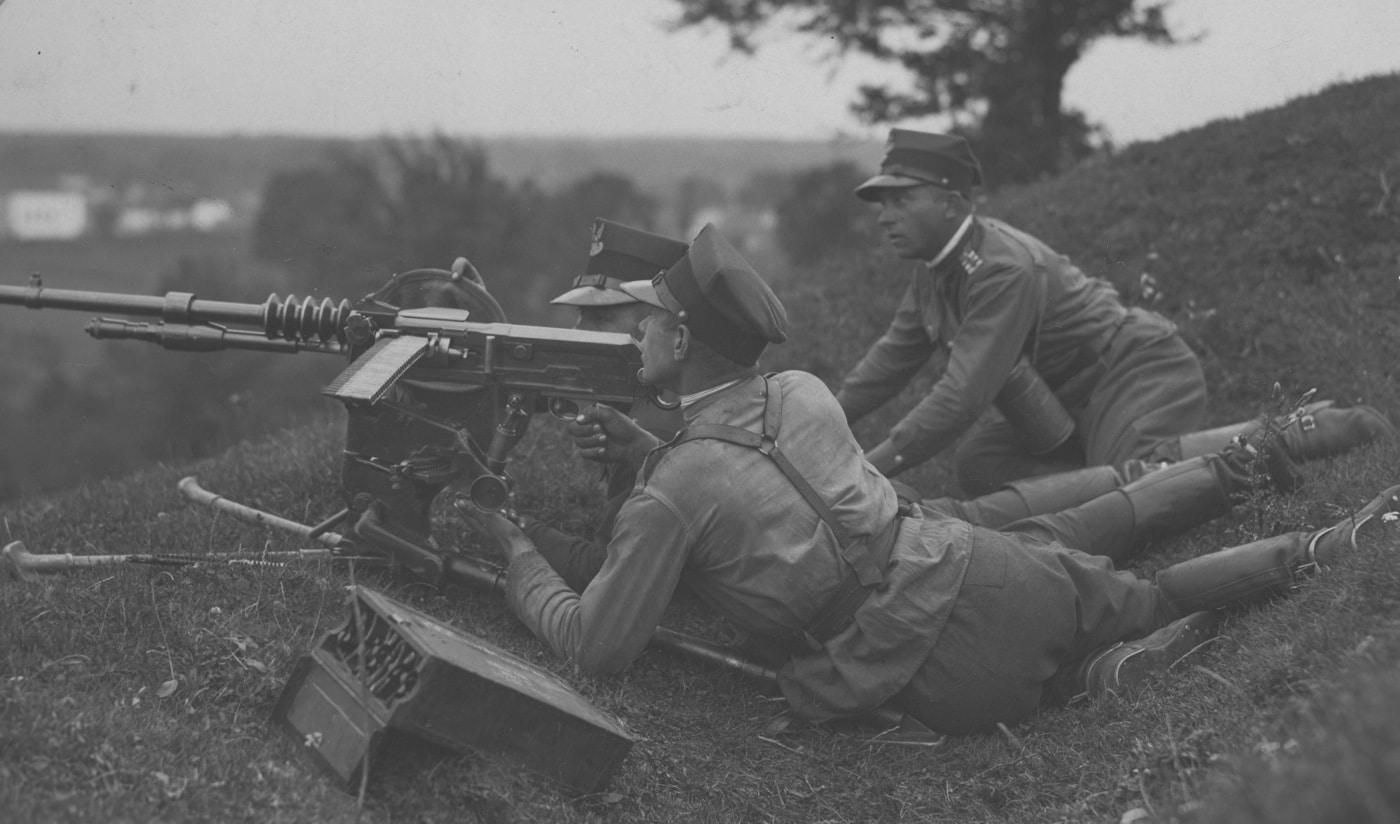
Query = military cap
x=916 y=158
x=619 y=253
x=720 y=297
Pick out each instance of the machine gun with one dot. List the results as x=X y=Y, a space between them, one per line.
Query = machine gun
x=435 y=397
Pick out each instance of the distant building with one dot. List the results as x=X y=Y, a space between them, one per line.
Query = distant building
x=76 y=207
x=36 y=215
x=144 y=214
x=136 y=220
x=746 y=227
x=208 y=214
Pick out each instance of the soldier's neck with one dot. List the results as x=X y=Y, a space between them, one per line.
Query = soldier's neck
x=953 y=242
x=700 y=383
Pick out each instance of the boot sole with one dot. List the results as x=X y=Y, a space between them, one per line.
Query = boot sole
x=1179 y=639
x=1375 y=512
x=1375 y=515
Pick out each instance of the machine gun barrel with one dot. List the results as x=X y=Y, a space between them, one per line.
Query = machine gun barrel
x=172 y=306
x=442 y=346
x=275 y=318
x=434 y=397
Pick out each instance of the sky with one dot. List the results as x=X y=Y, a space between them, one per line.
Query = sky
x=594 y=68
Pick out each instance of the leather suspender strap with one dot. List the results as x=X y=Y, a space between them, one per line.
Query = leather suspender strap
x=867 y=560
x=767 y=443
x=753 y=440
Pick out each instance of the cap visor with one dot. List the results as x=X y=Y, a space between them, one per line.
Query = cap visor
x=592 y=296
x=870 y=189
x=644 y=291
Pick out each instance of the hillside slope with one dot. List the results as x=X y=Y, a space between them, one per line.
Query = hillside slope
x=1274 y=239
x=140 y=695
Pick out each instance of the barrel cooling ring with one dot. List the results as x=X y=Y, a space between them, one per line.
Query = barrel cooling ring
x=307 y=319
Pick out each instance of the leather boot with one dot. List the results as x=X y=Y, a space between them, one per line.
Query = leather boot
x=1329 y=431
x=1041 y=495
x=1264 y=568
x=1315 y=430
x=1123 y=667
x=1328 y=546
x=1162 y=503
x=1194 y=589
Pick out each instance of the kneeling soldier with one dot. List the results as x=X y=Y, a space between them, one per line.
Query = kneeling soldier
x=1059 y=372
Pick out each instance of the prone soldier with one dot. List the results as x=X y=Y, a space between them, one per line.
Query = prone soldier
x=766 y=506
x=620 y=253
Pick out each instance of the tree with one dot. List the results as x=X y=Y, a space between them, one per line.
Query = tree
x=405 y=203
x=602 y=194
x=695 y=196
x=566 y=236
x=298 y=215
x=996 y=65
x=818 y=218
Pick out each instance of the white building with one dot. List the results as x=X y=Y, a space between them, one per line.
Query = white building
x=203 y=215
x=36 y=215
x=208 y=214
x=136 y=220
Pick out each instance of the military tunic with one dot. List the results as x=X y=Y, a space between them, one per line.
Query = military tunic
x=1125 y=376
x=727 y=521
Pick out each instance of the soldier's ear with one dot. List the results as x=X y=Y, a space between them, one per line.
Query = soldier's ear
x=957 y=205
x=682 y=345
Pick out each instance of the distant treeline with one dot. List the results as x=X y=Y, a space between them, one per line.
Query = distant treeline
x=224 y=166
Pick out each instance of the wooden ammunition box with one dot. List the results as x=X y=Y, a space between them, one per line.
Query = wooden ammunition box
x=392 y=668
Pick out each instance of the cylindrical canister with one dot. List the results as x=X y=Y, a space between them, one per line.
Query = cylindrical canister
x=1028 y=404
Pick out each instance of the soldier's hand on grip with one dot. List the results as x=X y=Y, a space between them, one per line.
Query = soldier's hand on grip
x=604 y=434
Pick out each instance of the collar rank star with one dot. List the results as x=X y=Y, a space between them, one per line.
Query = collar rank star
x=970 y=260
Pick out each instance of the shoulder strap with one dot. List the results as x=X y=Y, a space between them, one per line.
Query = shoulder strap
x=867 y=559
x=767 y=443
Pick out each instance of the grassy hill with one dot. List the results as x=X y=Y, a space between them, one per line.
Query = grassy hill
x=1273 y=240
